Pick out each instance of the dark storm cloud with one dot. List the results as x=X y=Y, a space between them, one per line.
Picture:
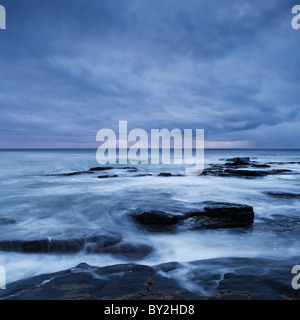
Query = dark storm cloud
x=69 y=68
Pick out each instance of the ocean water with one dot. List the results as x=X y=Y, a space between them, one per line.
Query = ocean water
x=70 y=206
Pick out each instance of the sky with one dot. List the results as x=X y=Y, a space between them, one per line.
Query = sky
x=69 y=68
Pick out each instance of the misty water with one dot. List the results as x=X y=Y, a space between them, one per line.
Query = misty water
x=53 y=207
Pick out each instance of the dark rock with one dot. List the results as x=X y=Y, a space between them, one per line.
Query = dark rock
x=246 y=173
x=283 y=194
x=108 y=176
x=143 y=175
x=42 y=246
x=165 y=174
x=220 y=215
x=239 y=159
x=236 y=164
x=213 y=215
x=159 y=220
x=128 y=250
x=105 y=239
x=84 y=282
x=48 y=245
x=101 y=168
x=70 y=174
x=279 y=171
x=6 y=221
x=263 y=165
x=281 y=162
x=212 y=279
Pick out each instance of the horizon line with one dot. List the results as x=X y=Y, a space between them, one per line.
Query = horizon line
x=252 y=148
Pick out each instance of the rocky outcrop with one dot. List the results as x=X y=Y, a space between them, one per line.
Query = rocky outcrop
x=242 y=167
x=221 y=215
x=49 y=245
x=212 y=279
x=211 y=216
x=155 y=220
x=101 y=243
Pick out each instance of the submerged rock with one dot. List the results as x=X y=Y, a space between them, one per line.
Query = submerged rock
x=7 y=221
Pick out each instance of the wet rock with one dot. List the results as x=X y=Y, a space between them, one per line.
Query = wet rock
x=211 y=216
x=280 y=171
x=164 y=174
x=104 y=240
x=282 y=194
x=133 y=251
x=211 y=279
x=241 y=167
x=246 y=173
x=221 y=215
x=48 y=245
x=156 y=220
x=239 y=159
x=70 y=174
x=42 y=246
x=281 y=162
x=84 y=282
x=108 y=176
x=7 y=221
x=257 y=165
x=101 y=168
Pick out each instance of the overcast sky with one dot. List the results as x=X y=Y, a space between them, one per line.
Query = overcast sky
x=69 y=68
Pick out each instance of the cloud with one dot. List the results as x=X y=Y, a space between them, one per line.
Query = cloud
x=69 y=69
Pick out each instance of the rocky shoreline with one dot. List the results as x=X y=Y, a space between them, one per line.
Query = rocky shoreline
x=213 y=279
x=222 y=278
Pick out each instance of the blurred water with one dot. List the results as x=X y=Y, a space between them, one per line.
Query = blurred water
x=55 y=206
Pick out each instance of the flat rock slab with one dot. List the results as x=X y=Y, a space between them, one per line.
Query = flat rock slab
x=282 y=194
x=211 y=215
x=213 y=279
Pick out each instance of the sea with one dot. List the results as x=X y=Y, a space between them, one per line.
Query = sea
x=44 y=204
